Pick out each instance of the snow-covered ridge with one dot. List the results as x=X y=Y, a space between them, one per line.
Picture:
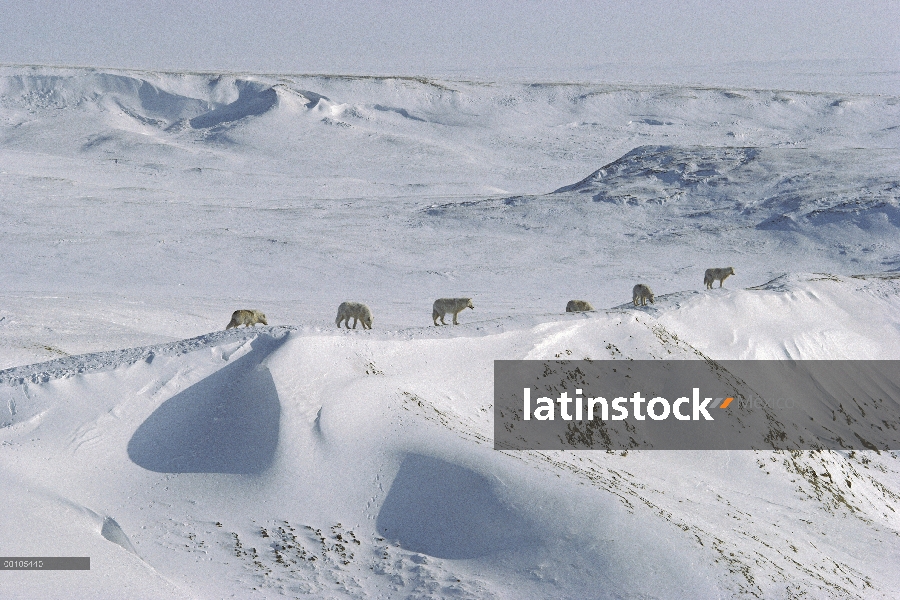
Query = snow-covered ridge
x=788 y=297
x=769 y=189
x=155 y=100
x=678 y=167
x=343 y=446
x=62 y=368
x=203 y=100
x=745 y=176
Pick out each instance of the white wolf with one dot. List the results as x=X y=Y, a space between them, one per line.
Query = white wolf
x=721 y=274
x=643 y=293
x=246 y=318
x=442 y=306
x=356 y=311
x=578 y=306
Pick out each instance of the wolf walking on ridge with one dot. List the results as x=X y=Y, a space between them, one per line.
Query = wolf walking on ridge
x=643 y=293
x=713 y=274
x=442 y=306
x=246 y=318
x=356 y=311
x=579 y=306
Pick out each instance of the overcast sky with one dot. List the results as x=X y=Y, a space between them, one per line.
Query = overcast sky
x=479 y=38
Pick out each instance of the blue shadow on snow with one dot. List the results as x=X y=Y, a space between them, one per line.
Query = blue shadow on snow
x=225 y=423
x=447 y=511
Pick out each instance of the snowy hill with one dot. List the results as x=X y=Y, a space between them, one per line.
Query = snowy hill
x=346 y=464
x=142 y=208
x=748 y=180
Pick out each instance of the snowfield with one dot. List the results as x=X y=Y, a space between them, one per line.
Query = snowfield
x=142 y=208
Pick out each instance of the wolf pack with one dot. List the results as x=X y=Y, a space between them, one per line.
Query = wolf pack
x=360 y=313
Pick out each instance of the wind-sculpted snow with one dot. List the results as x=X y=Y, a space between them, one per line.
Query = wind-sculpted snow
x=226 y=423
x=141 y=208
x=143 y=98
x=253 y=100
x=355 y=464
x=445 y=510
x=464 y=137
x=62 y=368
x=351 y=463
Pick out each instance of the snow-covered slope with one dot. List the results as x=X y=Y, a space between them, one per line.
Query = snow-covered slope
x=140 y=209
x=345 y=464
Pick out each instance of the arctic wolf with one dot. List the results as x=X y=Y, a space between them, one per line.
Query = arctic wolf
x=442 y=306
x=246 y=318
x=578 y=306
x=356 y=311
x=643 y=293
x=712 y=274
